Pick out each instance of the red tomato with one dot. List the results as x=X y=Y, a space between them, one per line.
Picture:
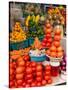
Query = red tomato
x=44 y=82
x=33 y=64
x=27 y=85
x=16 y=84
x=53 y=49
x=28 y=70
x=20 y=86
x=33 y=84
x=39 y=84
x=48 y=67
x=50 y=40
x=43 y=44
x=39 y=73
x=29 y=80
x=19 y=82
x=19 y=76
x=27 y=63
x=33 y=69
x=24 y=84
x=11 y=77
x=56 y=43
x=59 y=49
x=48 y=52
x=47 y=72
x=26 y=57
x=57 y=37
x=49 y=81
x=39 y=67
x=30 y=65
x=11 y=65
x=45 y=40
x=11 y=71
x=48 y=36
x=21 y=63
x=47 y=77
x=38 y=78
x=20 y=69
x=29 y=76
x=48 y=44
x=57 y=31
x=11 y=83
x=14 y=64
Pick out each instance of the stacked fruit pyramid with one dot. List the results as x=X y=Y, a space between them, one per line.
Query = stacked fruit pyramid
x=47 y=41
x=17 y=33
x=56 y=49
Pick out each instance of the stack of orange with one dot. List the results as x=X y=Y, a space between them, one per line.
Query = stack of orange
x=56 y=49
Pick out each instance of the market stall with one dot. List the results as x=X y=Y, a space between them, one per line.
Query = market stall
x=37 y=45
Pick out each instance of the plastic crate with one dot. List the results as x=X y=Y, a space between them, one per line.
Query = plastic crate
x=19 y=45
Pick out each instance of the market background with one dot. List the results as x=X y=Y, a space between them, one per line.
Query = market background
x=4 y=43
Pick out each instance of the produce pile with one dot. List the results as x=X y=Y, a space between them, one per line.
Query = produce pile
x=27 y=73
x=34 y=29
x=24 y=73
x=56 y=49
x=39 y=56
x=17 y=33
x=57 y=15
x=47 y=41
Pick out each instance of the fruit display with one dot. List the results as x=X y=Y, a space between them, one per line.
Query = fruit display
x=37 y=53
x=57 y=14
x=56 y=50
x=24 y=73
x=58 y=30
x=47 y=41
x=17 y=34
x=20 y=52
x=34 y=29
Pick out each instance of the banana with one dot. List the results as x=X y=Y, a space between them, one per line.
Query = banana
x=37 y=18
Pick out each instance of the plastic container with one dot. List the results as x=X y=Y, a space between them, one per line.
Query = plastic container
x=55 y=68
x=38 y=58
x=19 y=45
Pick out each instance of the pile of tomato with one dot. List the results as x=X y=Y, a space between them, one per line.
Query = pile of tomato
x=26 y=73
x=47 y=41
